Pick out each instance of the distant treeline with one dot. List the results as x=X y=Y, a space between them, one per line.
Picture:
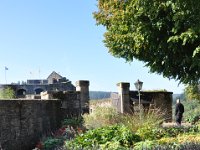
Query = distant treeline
x=103 y=95
x=99 y=95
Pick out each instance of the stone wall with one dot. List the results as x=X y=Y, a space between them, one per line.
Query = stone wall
x=24 y=121
x=154 y=100
x=71 y=103
x=126 y=101
x=116 y=101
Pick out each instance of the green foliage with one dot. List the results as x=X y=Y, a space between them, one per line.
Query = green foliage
x=101 y=116
x=104 y=138
x=57 y=138
x=122 y=132
x=52 y=143
x=111 y=130
x=153 y=133
x=175 y=131
x=74 y=122
x=193 y=117
x=149 y=120
x=149 y=133
x=192 y=92
x=189 y=141
x=7 y=93
x=145 y=145
x=192 y=111
x=198 y=125
x=121 y=137
x=184 y=141
x=163 y=34
x=104 y=116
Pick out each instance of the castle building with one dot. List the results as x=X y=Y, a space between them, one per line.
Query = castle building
x=54 y=82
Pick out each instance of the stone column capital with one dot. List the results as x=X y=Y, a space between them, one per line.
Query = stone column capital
x=123 y=85
x=82 y=83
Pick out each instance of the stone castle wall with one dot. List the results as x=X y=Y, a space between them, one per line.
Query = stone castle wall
x=30 y=88
x=24 y=121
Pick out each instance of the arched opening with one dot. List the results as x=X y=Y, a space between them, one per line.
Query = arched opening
x=21 y=92
x=38 y=90
x=54 y=80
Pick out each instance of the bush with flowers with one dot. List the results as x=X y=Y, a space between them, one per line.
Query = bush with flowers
x=111 y=130
x=56 y=139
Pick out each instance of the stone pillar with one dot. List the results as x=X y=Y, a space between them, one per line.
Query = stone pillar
x=123 y=91
x=83 y=87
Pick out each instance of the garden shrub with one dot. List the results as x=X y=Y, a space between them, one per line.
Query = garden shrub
x=150 y=120
x=193 y=117
x=112 y=146
x=150 y=133
x=110 y=130
x=57 y=138
x=184 y=141
x=104 y=138
x=190 y=138
x=145 y=145
x=74 y=122
x=102 y=116
x=167 y=140
x=154 y=133
x=51 y=143
x=176 y=130
x=192 y=111
x=198 y=126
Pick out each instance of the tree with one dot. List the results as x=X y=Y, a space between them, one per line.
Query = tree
x=192 y=92
x=165 y=34
x=7 y=93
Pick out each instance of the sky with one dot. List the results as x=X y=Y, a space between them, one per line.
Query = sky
x=41 y=36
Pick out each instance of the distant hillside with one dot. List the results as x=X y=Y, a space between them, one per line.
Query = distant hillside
x=94 y=95
x=99 y=95
x=181 y=96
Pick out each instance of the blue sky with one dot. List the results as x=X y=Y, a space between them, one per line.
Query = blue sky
x=41 y=36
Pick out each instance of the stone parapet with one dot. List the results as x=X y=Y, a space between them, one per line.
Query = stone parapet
x=24 y=121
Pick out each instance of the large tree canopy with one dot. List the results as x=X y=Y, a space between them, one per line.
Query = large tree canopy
x=192 y=92
x=165 y=34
